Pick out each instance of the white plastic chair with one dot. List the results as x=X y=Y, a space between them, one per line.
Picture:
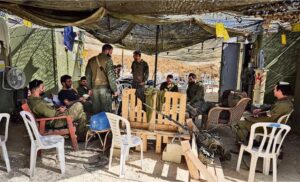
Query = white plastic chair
x=3 y=140
x=124 y=142
x=284 y=119
x=39 y=142
x=273 y=133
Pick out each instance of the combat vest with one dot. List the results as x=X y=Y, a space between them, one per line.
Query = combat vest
x=98 y=66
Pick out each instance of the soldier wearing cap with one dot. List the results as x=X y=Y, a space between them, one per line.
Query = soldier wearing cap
x=282 y=106
x=102 y=79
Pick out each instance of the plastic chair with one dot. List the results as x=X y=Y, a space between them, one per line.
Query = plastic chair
x=39 y=142
x=284 y=119
x=124 y=142
x=235 y=112
x=273 y=133
x=66 y=131
x=3 y=140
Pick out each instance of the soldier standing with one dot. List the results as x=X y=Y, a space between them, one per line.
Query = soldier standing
x=102 y=79
x=140 y=74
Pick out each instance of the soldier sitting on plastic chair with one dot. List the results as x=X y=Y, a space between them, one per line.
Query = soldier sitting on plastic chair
x=41 y=108
x=282 y=106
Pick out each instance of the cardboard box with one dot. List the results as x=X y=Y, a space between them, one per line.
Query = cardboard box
x=172 y=153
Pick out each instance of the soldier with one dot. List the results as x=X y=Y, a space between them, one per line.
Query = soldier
x=140 y=73
x=41 y=108
x=68 y=96
x=102 y=79
x=195 y=96
x=83 y=88
x=169 y=85
x=282 y=106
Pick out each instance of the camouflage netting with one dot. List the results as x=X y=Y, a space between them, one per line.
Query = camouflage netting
x=133 y=23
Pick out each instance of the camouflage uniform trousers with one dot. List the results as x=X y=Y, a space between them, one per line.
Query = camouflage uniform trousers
x=102 y=100
x=79 y=119
x=242 y=130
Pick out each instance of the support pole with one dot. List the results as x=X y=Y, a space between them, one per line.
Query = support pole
x=295 y=124
x=122 y=73
x=156 y=55
x=54 y=59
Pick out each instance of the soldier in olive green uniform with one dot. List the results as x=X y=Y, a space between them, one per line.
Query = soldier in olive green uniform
x=282 y=106
x=195 y=96
x=41 y=108
x=140 y=74
x=102 y=79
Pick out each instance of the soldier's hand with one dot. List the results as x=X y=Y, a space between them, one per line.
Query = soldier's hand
x=255 y=111
x=115 y=94
x=62 y=109
x=90 y=92
x=81 y=99
x=142 y=83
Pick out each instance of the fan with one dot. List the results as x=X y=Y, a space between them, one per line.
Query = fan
x=15 y=78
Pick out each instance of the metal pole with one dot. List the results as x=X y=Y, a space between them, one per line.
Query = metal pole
x=156 y=55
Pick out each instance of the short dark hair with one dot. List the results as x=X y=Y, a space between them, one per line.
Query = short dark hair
x=35 y=84
x=170 y=76
x=64 y=78
x=137 y=52
x=119 y=66
x=106 y=47
x=83 y=78
x=285 y=88
x=193 y=75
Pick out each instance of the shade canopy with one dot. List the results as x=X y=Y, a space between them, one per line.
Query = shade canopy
x=132 y=23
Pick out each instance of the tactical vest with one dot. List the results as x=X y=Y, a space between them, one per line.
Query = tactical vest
x=99 y=76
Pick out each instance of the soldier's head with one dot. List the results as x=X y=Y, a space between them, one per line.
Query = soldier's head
x=83 y=81
x=137 y=55
x=66 y=81
x=107 y=49
x=192 y=78
x=169 y=79
x=36 y=87
x=282 y=89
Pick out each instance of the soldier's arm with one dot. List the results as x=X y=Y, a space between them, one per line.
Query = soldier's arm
x=111 y=76
x=146 y=73
x=88 y=74
x=45 y=110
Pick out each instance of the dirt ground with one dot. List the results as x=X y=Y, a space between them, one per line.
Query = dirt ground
x=78 y=168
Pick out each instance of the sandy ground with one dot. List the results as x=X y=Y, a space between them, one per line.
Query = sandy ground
x=77 y=163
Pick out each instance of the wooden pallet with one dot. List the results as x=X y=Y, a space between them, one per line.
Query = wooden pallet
x=132 y=110
x=174 y=106
x=161 y=137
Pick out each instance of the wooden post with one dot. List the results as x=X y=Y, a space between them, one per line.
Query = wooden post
x=156 y=55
